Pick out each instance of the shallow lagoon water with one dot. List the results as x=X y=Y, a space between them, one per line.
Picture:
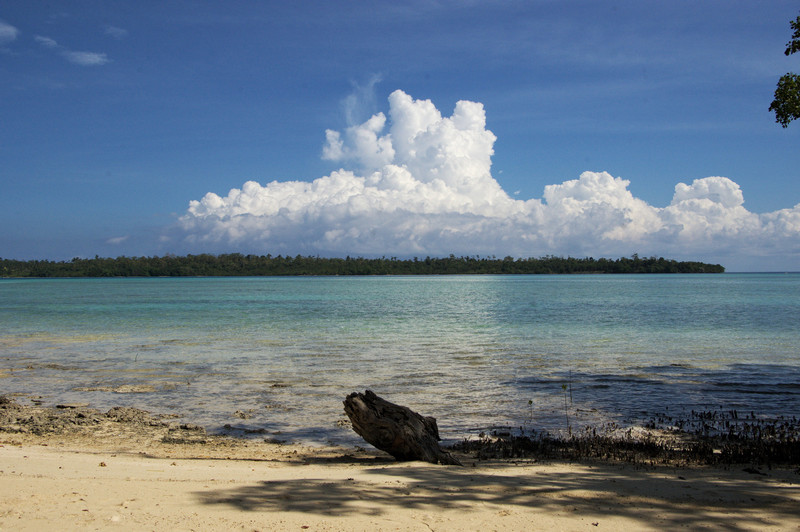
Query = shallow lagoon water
x=476 y=352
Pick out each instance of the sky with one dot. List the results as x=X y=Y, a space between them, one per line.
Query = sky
x=398 y=129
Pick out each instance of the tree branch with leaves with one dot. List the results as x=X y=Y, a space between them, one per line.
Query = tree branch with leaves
x=786 y=104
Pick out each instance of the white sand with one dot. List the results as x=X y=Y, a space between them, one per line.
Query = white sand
x=47 y=483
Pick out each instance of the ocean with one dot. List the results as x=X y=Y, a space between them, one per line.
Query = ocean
x=276 y=356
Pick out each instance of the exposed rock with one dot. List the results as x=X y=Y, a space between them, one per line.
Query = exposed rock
x=127 y=414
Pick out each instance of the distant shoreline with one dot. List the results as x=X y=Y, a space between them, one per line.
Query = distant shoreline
x=238 y=265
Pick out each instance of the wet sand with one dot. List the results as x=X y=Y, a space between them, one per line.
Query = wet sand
x=74 y=468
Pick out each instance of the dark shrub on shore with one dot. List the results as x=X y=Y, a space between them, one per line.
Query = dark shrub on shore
x=703 y=438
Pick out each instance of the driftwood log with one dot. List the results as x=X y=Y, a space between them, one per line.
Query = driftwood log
x=396 y=429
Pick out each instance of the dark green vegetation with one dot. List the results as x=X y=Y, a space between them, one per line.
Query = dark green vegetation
x=709 y=437
x=786 y=104
x=236 y=264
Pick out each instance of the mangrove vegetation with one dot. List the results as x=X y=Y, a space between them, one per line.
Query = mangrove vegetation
x=236 y=264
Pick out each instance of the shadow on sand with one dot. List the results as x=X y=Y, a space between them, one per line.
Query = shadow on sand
x=663 y=498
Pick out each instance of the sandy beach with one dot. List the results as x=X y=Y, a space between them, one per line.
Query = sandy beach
x=74 y=468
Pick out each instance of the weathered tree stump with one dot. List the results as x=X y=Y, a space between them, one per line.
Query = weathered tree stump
x=396 y=429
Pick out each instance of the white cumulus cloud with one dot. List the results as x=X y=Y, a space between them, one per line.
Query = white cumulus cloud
x=115 y=32
x=421 y=183
x=86 y=58
x=77 y=58
x=8 y=32
x=117 y=240
x=47 y=42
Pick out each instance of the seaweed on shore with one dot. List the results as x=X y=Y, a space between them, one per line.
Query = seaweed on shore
x=702 y=438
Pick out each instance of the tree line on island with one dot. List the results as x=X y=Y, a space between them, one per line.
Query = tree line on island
x=237 y=264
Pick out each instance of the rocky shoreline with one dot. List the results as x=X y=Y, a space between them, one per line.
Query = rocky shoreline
x=128 y=429
x=78 y=427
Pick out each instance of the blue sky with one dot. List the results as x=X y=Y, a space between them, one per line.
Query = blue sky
x=132 y=128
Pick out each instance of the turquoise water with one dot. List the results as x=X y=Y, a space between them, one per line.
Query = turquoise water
x=471 y=351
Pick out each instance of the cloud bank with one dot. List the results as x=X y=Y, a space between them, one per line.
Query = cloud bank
x=419 y=183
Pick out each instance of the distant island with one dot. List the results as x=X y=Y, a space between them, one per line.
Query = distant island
x=237 y=264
